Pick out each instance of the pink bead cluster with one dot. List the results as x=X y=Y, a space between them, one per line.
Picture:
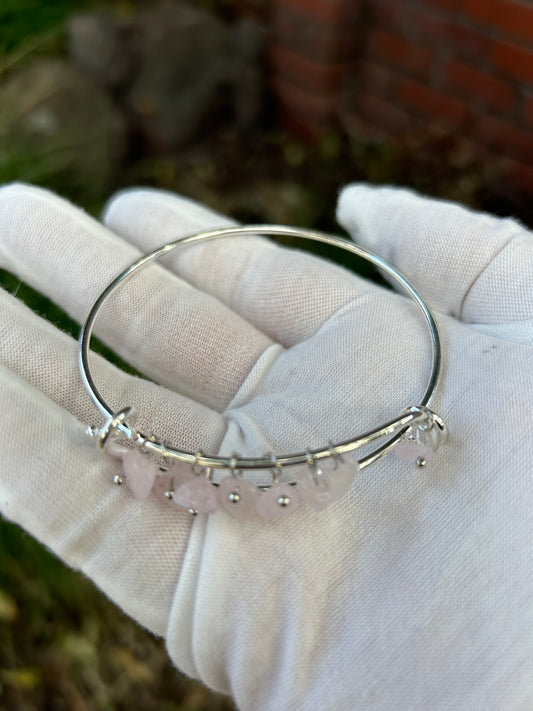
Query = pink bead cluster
x=319 y=485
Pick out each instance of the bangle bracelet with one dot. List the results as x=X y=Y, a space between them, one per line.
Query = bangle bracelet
x=202 y=483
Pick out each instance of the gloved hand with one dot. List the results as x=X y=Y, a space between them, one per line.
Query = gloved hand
x=411 y=592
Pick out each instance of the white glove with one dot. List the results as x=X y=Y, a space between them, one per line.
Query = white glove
x=414 y=591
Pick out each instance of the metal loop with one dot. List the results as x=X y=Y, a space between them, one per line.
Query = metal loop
x=276 y=470
x=167 y=459
x=235 y=471
x=432 y=424
x=197 y=469
x=334 y=454
x=113 y=423
x=142 y=441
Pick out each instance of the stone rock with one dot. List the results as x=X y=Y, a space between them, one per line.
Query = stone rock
x=183 y=66
x=98 y=44
x=57 y=127
x=177 y=70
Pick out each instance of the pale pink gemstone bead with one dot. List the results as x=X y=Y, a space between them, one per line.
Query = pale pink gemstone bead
x=279 y=500
x=140 y=471
x=198 y=494
x=238 y=497
x=409 y=450
x=115 y=450
x=162 y=485
x=328 y=482
x=170 y=480
x=343 y=477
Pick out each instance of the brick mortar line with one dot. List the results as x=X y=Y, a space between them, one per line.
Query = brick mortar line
x=469 y=22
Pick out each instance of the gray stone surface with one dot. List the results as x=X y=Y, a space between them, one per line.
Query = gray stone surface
x=177 y=70
x=99 y=45
x=184 y=68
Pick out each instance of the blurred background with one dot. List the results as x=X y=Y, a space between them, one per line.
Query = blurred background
x=262 y=109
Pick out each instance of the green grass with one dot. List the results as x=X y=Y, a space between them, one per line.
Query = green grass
x=63 y=645
x=22 y=20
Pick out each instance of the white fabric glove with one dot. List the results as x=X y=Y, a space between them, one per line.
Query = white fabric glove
x=411 y=593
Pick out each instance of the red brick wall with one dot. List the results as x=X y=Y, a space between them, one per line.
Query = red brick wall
x=387 y=67
x=311 y=49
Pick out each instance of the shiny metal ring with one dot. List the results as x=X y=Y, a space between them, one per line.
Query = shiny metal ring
x=418 y=414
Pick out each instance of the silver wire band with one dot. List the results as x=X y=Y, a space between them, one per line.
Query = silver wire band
x=412 y=415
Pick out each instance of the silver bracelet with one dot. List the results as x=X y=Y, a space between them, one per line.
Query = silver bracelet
x=191 y=481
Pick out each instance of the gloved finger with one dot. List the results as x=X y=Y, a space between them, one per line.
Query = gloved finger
x=286 y=294
x=34 y=350
x=473 y=266
x=157 y=322
x=56 y=485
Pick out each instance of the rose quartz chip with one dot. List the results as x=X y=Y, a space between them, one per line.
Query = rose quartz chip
x=170 y=480
x=279 y=500
x=198 y=494
x=326 y=483
x=238 y=497
x=115 y=450
x=161 y=486
x=140 y=471
x=409 y=450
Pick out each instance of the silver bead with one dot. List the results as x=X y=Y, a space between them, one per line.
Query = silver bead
x=169 y=494
x=118 y=480
x=92 y=431
x=420 y=462
x=284 y=501
x=193 y=512
x=234 y=497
